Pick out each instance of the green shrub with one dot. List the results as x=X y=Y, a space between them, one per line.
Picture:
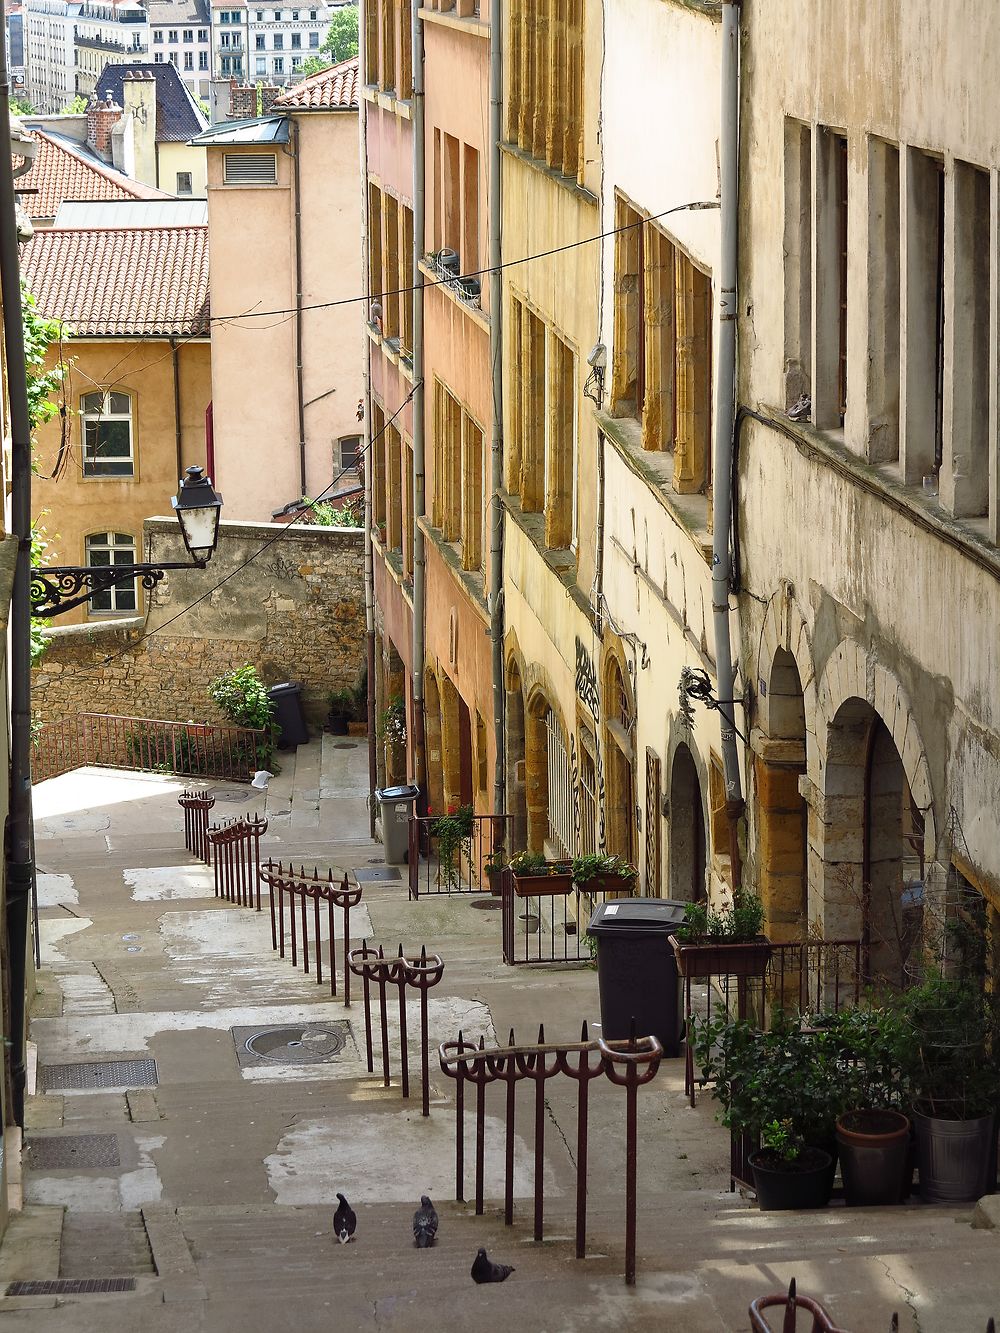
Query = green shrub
x=242 y=696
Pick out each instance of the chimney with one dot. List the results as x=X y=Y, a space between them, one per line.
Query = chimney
x=268 y=95
x=139 y=96
x=243 y=102
x=103 y=113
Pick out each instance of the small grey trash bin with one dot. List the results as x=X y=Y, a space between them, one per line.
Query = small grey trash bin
x=396 y=806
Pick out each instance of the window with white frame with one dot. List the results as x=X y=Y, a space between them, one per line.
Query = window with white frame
x=560 y=784
x=346 y=452
x=279 y=65
x=106 y=423
x=262 y=64
x=314 y=41
x=184 y=182
x=105 y=550
x=189 y=60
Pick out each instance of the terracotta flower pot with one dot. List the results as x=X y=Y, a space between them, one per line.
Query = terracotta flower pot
x=874 y=1149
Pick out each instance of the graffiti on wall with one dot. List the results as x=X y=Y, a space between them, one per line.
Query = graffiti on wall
x=586 y=681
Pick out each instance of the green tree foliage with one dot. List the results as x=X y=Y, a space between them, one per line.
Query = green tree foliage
x=342 y=35
x=20 y=106
x=77 y=107
x=314 y=65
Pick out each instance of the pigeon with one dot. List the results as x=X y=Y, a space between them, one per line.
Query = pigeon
x=345 y=1221
x=425 y=1224
x=483 y=1270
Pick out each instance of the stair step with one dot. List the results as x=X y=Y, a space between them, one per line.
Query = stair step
x=104 y=1245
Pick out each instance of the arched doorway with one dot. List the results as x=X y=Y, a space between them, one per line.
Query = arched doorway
x=687 y=830
x=873 y=846
x=779 y=764
x=433 y=743
x=517 y=800
x=619 y=731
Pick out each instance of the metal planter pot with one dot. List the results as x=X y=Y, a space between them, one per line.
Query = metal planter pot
x=954 y=1157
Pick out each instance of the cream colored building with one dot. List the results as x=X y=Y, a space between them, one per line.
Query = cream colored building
x=282 y=191
x=870 y=456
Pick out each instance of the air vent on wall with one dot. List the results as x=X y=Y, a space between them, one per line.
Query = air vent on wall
x=250 y=168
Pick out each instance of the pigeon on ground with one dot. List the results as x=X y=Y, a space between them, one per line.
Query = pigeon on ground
x=483 y=1270
x=425 y=1224
x=345 y=1221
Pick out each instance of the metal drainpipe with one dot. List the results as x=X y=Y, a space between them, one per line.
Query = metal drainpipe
x=178 y=437
x=299 y=388
x=496 y=435
x=369 y=457
x=20 y=861
x=419 y=480
x=725 y=412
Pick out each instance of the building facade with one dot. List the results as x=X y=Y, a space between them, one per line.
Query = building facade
x=869 y=460
x=106 y=34
x=299 y=162
x=180 y=34
x=254 y=44
x=50 y=53
x=137 y=389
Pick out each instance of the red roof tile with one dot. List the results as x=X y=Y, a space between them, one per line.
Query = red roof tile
x=57 y=173
x=333 y=89
x=121 y=282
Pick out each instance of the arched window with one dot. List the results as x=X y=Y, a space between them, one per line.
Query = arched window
x=105 y=549
x=620 y=736
x=106 y=422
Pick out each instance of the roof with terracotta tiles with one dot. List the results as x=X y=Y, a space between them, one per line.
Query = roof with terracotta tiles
x=333 y=89
x=58 y=174
x=121 y=282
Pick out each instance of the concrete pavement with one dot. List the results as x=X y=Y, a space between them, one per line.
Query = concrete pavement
x=214 y=1187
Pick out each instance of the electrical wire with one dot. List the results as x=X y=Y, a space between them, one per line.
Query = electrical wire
x=437 y=282
x=131 y=647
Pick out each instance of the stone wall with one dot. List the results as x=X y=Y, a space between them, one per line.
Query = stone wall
x=295 y=611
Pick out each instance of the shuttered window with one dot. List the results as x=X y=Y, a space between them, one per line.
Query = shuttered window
x=251 y=168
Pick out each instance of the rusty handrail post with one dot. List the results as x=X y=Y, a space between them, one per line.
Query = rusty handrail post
x=509 y=1074
x=631 y=1068
x=583 y=1073
x=460 y=1126
x=397 y=974
x=480 y=1125
x=420 y=972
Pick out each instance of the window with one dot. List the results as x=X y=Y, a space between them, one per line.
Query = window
x=107 y=435
x=662 y=367
x=456 y=200
x=296 y=62
x=259 y=41
x=457 y=497
x=250 y=168
x=172 y=35
x=279 y=41
x=260 y=16
x=388 y=46
x=830 y=313
x=158 y=60
x=157 y=38
x=202 y=34
x=542 y=438
x=314 y=41
x=261 y=64
x=313 y=14
x=296 y=41
x=184 y=182
x=203 y=60
x=224 y=16
x=545 y=84
x=189 y=34
x=393 y=489
x=588 y=792
x=346 y=454
x=798 y=263
x=237 y=39
x=653 y=825
x=189 y=60
x=560 y=784
x=105 y=549
x=224 y=40
x=279 y=65
x=295 y=16
x=378 y=465
x=619 y=734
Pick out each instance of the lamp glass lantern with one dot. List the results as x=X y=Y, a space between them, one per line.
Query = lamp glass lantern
x=198 y=508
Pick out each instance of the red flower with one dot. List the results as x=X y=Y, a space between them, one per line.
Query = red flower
x=453 y=810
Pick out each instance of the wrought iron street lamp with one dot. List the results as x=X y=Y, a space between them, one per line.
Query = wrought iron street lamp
x=56 y=589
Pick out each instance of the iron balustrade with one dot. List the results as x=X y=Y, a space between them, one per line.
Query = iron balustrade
x=299 y=890
x=109 y=740
x=490 y=834
x=628 y=1064
x=550 y=926
x=235 y=853
x=196 y=805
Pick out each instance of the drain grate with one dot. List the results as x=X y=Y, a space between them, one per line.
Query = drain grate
x=345 y=745
x=291 y=1044
x=68 y=1286
x=62 y=1152
x=99 y=1074
x=383 y=872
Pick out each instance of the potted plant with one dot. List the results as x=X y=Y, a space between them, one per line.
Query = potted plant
x=953 y=1048
x=611 y=875
x=788 y=1173
x=340 y=712
x=453 y=833
x=534 y=876
x=787 y=1077
x=873 y=1133
x=494 y=865
x=727 y=942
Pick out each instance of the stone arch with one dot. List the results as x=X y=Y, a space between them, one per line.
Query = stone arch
x=872 y=829
x=433 y=742
x=781 y=811
x=619 y=717
x=517 y=799
x=687 y=852
x=784 y=632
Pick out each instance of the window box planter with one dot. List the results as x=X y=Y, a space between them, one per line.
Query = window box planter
x=612 y=886
x=554 y=884
x=719 y=958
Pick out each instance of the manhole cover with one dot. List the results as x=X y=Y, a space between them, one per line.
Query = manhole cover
x=65 y=1152
x=485 y=904
x=231 y=797
x=99 y=1074
x=384 y=872
x=291 y=1044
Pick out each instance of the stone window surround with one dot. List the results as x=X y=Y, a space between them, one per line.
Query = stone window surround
x=390 y=267
x=388 y=47
x=544 y=84
x=458 y=501
x=944 y=443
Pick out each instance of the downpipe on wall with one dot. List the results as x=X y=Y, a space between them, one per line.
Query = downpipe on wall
x=496 y=435
x=725 y=412
x=369 y=467
x=419 y=480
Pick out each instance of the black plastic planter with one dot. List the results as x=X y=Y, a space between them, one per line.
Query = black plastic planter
x=874 y=1146
x=804 y=1184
